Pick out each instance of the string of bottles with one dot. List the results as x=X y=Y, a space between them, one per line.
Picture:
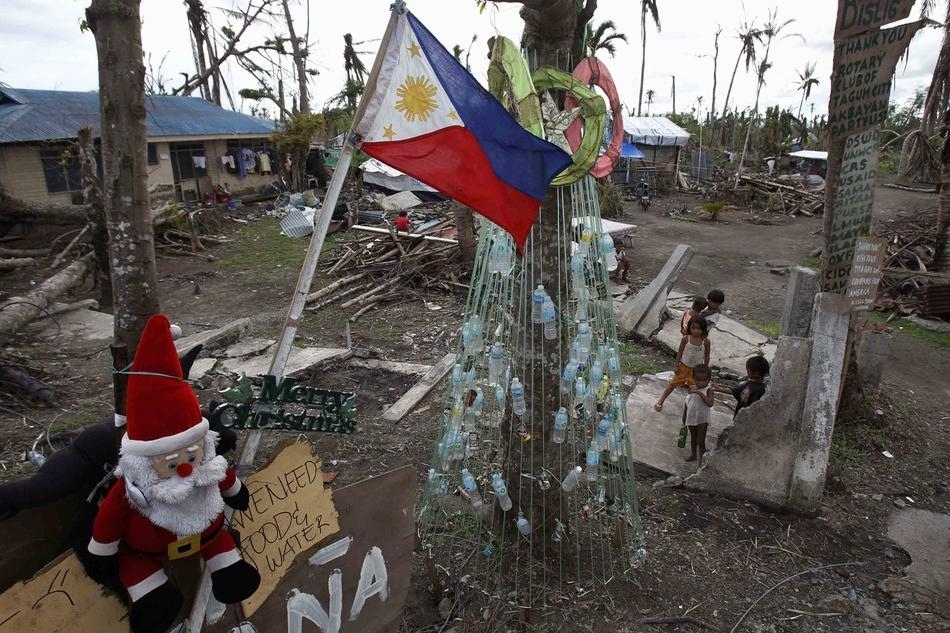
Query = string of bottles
x=491 y=388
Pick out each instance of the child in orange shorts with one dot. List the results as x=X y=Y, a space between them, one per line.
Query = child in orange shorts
x=693 y=350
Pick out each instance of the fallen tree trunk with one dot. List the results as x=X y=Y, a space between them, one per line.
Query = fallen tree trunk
x=16 y=262
x=24 y=252
x=18 y=311
x=16 y=210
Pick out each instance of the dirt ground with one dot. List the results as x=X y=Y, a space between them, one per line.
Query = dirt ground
x=717 y=564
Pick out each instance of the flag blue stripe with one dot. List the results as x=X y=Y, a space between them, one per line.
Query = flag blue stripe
x=518 y=158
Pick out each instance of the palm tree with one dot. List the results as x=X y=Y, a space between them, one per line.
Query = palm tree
x=650 y=95
x=770 y=32
x=808 y=81
x=645 y=5
x=603 y=38
x=355 y=70
x=749 y=35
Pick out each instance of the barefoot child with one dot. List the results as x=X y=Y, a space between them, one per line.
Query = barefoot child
x=711 y=312
x=699 y=403
x=752 y=390
x=694 y=350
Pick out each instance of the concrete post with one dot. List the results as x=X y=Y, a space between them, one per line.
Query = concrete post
x=642 y=313
x=829 y=326
x=873 y=352
x=799 y=301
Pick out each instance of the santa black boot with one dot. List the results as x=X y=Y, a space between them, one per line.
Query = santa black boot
x=234 y=583
x=155 y=611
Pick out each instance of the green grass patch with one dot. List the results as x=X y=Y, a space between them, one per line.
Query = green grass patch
x=855 y=439
x=932 y=337
x=766 y=327
x=811 y=262
x=260 y=246
x=636 y=361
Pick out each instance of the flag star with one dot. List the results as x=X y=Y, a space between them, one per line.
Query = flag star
x=556 y=121
x=389 y=132
x=453 y=116
x=414 y=50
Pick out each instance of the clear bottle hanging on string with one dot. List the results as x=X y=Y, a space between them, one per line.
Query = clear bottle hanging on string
x=581 y=314
x=577 y=273
x=471 y=488
x=580 y=391
x=583 y=247
x=496 y=360
x=537 y=301
x=593 y=461
x=549 y=319
x=501 y=491
x=559 y=432
x=604 y=427
x=613 y=366
x=571 y=480
x=518 y=404
x=523 y=525
x=568 y=376
x=608 y=252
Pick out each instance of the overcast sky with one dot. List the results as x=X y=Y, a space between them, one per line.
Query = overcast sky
x=41 y=45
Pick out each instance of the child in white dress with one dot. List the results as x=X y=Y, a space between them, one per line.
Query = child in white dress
x=699 y=404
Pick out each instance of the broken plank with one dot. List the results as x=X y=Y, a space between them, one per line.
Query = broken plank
x=420 y=390
x=430 y=238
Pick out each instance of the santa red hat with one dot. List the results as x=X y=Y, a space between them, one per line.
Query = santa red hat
x=163 y=414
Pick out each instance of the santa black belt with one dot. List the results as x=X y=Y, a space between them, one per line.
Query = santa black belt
x=185 y=547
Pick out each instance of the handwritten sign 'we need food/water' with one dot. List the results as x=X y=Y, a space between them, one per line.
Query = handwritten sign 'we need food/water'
x=289 y=512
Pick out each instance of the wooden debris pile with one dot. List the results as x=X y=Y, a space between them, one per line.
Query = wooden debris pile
x=379 y=266
x=788 y=197
x=908 y=280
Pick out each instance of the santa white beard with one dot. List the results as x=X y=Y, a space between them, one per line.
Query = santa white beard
x=184 y=506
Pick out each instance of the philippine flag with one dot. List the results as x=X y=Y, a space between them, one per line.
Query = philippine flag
x=429 y=118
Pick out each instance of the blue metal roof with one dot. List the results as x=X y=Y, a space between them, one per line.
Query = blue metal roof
x=43 y=115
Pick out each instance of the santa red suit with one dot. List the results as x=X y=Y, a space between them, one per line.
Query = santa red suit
x=170 y=499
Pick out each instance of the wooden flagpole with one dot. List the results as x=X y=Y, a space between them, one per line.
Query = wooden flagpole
x=307 y=271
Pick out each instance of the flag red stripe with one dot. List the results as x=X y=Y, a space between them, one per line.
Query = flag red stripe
x=452 y=161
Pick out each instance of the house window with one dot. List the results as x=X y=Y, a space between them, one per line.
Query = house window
x=188 y=160
x=61 y=170
x=152 y=153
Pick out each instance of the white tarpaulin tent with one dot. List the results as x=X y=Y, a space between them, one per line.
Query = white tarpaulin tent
x=656 y=131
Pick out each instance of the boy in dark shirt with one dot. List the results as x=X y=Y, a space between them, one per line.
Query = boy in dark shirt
x=752 y=390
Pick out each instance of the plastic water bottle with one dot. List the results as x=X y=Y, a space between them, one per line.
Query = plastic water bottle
x=496 y=359
x=501 y=491
x=580 y=390
x=523 y=525
x=596 y=373
x=583 y=303
x=613 y=365
x=457 y=374
x=608 y=252
x=571 y=480
x=593 y=461
x=537 y=301
x=478 y=329
x=584 y=338
x=568 y=376
x=549 y=318
x=577 y=273
x=603 y=431
x=500 y=257
x=559 y=433
x=518 y=404
x=583 y=247
x=478 y=404
x=433 y=481
x=468 y=481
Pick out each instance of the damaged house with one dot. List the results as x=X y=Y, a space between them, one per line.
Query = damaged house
x=193 y=145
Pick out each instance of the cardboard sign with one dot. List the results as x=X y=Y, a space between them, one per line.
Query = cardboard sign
x=356 y=581
x=866 y=272
x=60 y=599
x=289 y=512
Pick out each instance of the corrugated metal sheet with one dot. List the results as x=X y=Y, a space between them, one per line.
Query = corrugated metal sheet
x=935 y=300
x=42 y=115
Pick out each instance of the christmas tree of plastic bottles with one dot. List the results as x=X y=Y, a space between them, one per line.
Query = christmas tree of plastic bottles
x=513 y=528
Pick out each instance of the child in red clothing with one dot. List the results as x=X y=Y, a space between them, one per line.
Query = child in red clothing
x=402 y=222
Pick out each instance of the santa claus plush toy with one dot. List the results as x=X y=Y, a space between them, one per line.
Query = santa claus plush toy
x=169 y=501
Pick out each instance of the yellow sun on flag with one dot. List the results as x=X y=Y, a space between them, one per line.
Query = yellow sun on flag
x=416 y=98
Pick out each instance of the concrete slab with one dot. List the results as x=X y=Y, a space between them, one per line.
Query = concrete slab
x=653 y=435
x=925 y=536
x=85 y=325
x=249 y=347
x=643 y=312
x=300 y=359
x=401 y=200
x=211 y=339
x=412 y=369
x=201 y=367
x=730 y=343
